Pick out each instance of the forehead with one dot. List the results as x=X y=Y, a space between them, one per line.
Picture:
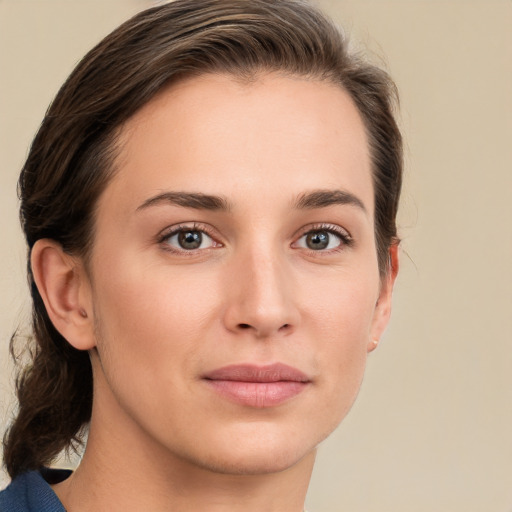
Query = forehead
x=217 y=135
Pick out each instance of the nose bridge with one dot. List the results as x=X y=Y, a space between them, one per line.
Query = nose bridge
x=262 y=299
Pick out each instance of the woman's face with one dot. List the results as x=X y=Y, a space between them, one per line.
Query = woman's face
x=234 y=283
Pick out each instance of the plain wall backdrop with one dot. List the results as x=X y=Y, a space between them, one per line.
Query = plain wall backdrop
x=432 y=427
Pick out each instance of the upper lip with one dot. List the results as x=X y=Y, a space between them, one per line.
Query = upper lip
x=277 y=372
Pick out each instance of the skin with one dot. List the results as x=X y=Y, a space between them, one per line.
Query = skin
x=157 y=318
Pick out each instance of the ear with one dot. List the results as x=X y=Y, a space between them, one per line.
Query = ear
x=383 y=307
x=64 y=287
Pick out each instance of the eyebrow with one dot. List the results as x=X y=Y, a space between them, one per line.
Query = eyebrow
x=194 y=200
x=325 y=198
x=199 y=201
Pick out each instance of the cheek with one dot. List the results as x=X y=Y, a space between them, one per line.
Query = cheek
x=340 y=319
x=148 y=304
x=341 y=307
x=149 y=323
x=150 y=333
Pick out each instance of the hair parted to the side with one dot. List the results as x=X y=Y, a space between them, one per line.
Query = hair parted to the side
x=73 y=157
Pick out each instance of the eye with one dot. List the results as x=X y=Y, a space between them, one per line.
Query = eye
x=319 y=240
x=188 y=239
x=324 y=239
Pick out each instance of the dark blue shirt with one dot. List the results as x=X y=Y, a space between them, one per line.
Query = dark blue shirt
x=31 y=492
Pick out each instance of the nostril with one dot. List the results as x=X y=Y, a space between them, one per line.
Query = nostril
x=284 y=327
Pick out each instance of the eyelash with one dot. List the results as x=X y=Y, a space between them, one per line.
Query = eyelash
x=180 y=228
x=345 y=238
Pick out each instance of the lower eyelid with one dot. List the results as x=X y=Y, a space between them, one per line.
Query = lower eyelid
x=345 y=239
x=212 y=241
x=340 y=243
x=173 y=231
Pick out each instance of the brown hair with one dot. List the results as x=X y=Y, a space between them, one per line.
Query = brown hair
x=72 y=159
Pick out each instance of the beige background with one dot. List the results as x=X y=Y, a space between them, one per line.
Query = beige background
x=432 y=428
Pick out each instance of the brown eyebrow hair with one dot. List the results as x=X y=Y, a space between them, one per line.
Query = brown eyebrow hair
x=195 y=200
x=200 y=201
x=324 y=198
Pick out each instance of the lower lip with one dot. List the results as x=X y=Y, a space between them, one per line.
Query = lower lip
x=257 y=394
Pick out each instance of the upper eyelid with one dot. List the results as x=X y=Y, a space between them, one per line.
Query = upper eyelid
x=184 y=226
x=213 y=233
x=171 y=231
x=321 y=226
x=345 y=238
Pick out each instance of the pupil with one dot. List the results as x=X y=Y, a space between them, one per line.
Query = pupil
x=190 y=239
x=317 y=240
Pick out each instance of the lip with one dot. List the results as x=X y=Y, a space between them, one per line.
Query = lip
x=257 y=386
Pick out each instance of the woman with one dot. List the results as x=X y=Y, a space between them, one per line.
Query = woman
x=209 y=207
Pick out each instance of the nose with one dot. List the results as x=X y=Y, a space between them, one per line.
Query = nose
x=261 y=296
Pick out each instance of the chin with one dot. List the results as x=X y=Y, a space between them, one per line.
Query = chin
x=265 y=462
x=265 y=451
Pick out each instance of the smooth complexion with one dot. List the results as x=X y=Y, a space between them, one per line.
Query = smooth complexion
x=231 y=298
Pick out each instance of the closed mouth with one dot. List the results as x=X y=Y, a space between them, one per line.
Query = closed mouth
x=257 y=386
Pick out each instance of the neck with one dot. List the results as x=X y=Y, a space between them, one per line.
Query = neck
x=129 y=482
x=124 y=469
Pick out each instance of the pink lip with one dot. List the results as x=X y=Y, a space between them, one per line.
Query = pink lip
x=257 y=386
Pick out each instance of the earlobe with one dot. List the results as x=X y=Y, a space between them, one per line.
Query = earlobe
x=383 y=307
x=64 y=288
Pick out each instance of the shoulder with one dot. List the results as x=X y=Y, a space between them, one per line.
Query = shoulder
x=31 y=492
